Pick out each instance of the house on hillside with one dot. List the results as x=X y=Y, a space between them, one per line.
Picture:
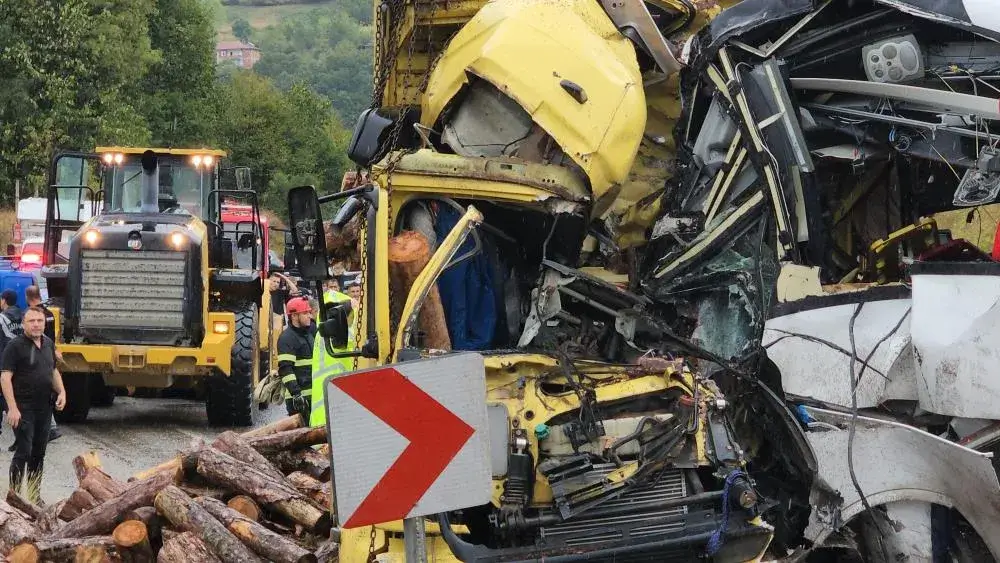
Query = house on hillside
x=245 y=55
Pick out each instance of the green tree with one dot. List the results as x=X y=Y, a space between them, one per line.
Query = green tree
x=69 y=78
x=242 y=29
x=286 y=139
x=326 y=49
x=179 y=86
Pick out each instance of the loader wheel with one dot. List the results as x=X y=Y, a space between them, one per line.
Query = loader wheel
x=77 y=407
x=230 y=399
x=101 y=395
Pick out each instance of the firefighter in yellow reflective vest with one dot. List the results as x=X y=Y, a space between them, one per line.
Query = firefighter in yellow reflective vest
x=325 y=366
x=295 y=351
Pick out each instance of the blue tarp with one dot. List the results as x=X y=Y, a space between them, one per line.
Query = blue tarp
x=467 y=293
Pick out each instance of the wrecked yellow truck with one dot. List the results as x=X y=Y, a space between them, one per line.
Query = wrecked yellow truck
x=700 y=247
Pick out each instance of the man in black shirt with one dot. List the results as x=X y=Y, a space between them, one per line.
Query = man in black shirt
x=28 y=377
x=33 y=296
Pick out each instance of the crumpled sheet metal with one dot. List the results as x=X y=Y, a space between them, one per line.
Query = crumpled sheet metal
x=815 y=370
x=896 y=462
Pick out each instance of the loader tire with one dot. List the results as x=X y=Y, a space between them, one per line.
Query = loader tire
x=230 y=399
x=77 y=407
x=101 y=395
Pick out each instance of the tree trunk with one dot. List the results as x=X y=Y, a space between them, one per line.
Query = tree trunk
x=103 y=518
x=190 y=516
x=327 y=552
x=23 y=504
x=14 y=528
x=24 y=553
x=149 y=518
x=200 y=491
x=132 y=540
x=288 y=423
x=321 y=492
x=91 y=554
x=77 y=503
x=289 y=440
x=231 y=444
x=49 y=519
x=270 y=545
x=281 y=496
x=308 y=461
x=84 y=462
x=89 y=549
x=409 y=252
x=100 y=485
x=186 y=548
x=245 y=506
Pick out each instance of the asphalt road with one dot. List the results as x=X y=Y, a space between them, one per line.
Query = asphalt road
x=132 y=435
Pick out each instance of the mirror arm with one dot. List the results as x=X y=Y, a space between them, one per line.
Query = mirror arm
x=346 y=194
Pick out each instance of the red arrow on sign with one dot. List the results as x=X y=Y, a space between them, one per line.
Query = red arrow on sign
x=435 y=434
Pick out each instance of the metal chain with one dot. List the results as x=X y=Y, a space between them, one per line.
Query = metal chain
x=371 y=545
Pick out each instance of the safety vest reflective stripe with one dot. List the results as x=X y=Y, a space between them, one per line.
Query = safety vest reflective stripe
x=303 y=362
x=288 y=378
x=286 y=358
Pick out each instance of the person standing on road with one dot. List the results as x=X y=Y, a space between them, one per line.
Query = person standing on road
x=28 y=378
x=10 y=325
x=34 y=298
x=295 y=347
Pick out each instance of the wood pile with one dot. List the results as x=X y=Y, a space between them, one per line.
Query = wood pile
x=263 y=495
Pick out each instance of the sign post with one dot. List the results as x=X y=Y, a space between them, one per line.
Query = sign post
x=409 y=440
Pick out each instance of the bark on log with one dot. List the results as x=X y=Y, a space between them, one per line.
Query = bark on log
x=77 y=503
x=245 y=506
x=132 y=541
x=84 y=462
x=195 y=491
x=288 y=423
x=24 y=505
x=14 y=528
x=89 y=549
x=270 y=545
x=232 y=445
x=281 y=496
x=321 y=492
x=409 y=252
x=103 y=518
x=100 y=485
x=49 y=519
x=186 y=548
x=327 y=552
x=289 y=440
x=170 y=465
x=309 y=461
x=91 y=554
x=189 y=516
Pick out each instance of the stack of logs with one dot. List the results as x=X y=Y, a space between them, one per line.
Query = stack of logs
x=263 y=495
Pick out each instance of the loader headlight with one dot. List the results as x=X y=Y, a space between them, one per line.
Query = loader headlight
x=91 y=236
x=220 y=327
x=196 y=159
x=178 y=240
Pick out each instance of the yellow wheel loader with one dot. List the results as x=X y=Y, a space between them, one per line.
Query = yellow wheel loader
x=156 y=289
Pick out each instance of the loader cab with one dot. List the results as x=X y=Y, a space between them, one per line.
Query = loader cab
x=185 y=182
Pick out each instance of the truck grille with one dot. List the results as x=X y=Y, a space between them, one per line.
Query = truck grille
x=640 y=524
x=125 y=288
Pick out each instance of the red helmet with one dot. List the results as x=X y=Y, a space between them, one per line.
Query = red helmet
x=298 y=305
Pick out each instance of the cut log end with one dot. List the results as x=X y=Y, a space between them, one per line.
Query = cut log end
x=24 y=553
x=130 y=533
x=409 y=246
x=245 y=506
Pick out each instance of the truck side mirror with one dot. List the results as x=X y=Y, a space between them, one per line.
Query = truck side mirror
x=308 y=236
x=335 y=325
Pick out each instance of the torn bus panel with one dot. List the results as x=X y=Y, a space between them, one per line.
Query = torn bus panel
x=831 y=210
